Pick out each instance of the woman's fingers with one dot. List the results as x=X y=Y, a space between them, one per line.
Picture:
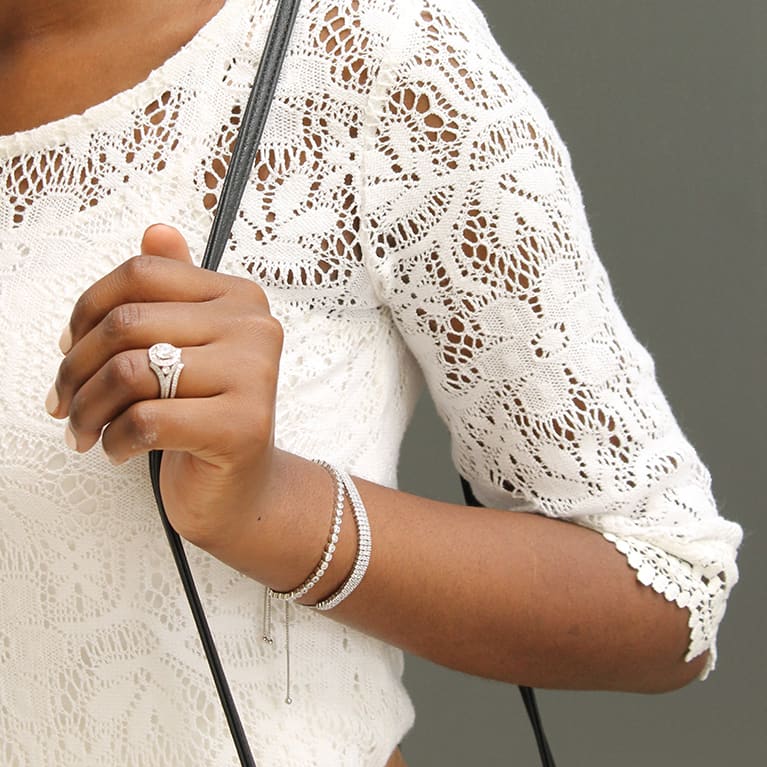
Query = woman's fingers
x=208 y=429
x=126 y=379
x=159 y=240
x=215 y=453
x=152 y=279
x=141 y=325
x=241 y=364
x=142 y=279
x=170 y=424
x=134 y=326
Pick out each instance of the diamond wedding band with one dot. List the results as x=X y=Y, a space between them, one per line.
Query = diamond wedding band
x=165 y=361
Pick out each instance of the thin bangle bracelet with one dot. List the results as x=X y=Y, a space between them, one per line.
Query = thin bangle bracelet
x=330 y=546
x=364 y=548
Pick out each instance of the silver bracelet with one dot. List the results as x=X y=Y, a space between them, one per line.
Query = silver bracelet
x=364 y=548
x=330 y=546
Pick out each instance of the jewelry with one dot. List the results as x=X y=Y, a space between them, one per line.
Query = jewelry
x=330 y=546
x=165 y=361
x=344 y=487
x=364 y=548
x=290 y=596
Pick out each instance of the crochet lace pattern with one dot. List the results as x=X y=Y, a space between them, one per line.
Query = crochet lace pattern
x=412 y=215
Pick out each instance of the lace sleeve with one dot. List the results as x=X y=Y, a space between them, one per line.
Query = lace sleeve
x=475 y=232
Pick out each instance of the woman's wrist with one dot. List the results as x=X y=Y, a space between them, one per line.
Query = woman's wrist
x=328 y=552
x=281 y=540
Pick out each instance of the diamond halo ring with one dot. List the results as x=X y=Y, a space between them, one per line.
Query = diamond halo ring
x=165 y=361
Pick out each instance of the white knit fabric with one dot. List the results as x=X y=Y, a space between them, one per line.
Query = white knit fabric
x=413 y=209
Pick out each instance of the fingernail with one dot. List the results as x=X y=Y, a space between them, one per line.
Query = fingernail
x=52 y=401
x=69 y=438
x=65 y=342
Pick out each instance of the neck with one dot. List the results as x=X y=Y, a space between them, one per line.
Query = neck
x=85 y=51
x=24 y=21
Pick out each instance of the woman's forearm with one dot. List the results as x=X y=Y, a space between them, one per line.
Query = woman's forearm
x=512 y=596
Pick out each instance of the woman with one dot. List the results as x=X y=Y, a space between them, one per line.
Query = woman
x=412 y=212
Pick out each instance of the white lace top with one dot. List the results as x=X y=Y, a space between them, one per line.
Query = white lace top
x=413 y=212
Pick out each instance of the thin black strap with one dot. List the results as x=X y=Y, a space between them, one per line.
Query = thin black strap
x=250 y=132
x=233 y=188
x=527 y=693
x=531 y=706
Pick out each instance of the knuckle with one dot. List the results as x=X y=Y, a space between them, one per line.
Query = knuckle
x=142 y=425
x=254 y=419
x=245 y=428
x=82 y=312
x=122 y=320
x=77 y=413
x=257 y=294
x=138 y=270
x=65 y=373
x=265 y=328
x=251 y=293
x=274 y=330
x=122 y=371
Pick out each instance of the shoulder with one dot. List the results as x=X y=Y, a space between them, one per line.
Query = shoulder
x=374 y=25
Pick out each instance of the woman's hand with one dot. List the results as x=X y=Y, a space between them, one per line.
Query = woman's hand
x=217 y=433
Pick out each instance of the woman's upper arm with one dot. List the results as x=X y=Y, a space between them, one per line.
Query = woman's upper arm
x=476 y=234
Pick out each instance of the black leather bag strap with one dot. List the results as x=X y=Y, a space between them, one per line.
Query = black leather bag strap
x=240 y=166
x=249 y=135
x=527 y=693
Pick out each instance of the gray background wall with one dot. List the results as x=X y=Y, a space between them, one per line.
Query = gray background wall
x=662 y=104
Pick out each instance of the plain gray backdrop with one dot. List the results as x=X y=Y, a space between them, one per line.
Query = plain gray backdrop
x=662 y=105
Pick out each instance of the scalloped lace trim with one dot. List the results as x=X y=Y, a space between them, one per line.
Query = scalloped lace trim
x=697 y=588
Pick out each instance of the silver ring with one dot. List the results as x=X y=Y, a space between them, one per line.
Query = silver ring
x=165 y=361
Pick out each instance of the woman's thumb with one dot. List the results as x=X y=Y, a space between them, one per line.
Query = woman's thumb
x=163 y=240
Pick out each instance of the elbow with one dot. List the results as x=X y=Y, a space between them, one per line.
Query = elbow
x=650 y=654
x=659 y=636
x=667 y=642
x=678 y=675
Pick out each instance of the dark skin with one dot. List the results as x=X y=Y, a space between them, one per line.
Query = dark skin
x=85 y=51
x=520 y=597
